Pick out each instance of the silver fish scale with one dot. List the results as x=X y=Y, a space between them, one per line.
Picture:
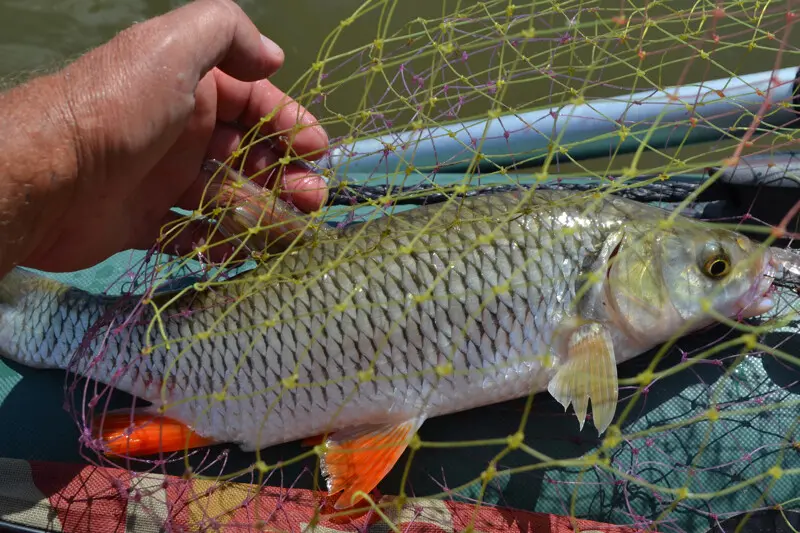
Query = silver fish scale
x=357 y=326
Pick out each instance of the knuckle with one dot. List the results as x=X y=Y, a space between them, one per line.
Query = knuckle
x=225 y=11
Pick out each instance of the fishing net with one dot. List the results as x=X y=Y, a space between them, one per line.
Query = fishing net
x=651 y=102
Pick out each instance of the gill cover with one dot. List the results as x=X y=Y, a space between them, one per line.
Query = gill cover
x=634 y=286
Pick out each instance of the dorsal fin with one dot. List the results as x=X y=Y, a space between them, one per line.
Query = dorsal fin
x=245 y=205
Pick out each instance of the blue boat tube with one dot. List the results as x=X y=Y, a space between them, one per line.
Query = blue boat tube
x=686 y=114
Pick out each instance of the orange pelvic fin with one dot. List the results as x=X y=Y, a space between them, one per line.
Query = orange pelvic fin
x=357 y=459
x=142 y=432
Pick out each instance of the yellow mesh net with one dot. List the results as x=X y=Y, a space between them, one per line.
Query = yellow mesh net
x=595 y=99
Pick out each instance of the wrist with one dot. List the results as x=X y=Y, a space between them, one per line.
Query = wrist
x=39 y=164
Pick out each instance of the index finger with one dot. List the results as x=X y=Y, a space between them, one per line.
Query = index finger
x=247 y=103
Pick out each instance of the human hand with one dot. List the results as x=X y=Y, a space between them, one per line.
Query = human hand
x=145 y=110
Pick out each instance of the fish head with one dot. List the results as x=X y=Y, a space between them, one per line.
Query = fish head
x=662 y=279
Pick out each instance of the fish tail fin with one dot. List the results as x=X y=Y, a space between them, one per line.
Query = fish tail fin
x=15 y=285
x=24 y=317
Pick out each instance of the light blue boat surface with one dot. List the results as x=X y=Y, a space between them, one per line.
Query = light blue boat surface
x=687 y=114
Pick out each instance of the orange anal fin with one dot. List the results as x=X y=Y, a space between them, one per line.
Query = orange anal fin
x=143 y=433
x=357 y=459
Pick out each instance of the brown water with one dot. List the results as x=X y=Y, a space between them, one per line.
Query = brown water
x=36 y=34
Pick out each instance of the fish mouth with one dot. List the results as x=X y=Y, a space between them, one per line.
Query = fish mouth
x=759 y=299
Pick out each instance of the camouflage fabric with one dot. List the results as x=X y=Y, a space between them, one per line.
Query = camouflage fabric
x=84 y=499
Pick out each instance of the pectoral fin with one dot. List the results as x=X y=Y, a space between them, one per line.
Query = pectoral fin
x=358 y=458
x=588 y=370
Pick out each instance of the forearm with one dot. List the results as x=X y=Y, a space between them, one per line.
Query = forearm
x=38 y=165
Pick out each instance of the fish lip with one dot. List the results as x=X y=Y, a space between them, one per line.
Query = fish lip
x=758 y=300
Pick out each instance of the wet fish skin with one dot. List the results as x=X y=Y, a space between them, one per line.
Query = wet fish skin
x=466 y=304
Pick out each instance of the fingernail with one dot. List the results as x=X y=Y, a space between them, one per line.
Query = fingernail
x=307 y=119
x=314 y=192
x=271 y=47
x=323 y=191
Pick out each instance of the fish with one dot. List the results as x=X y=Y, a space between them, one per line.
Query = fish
x=354 y=337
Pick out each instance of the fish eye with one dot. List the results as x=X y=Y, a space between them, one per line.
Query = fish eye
x=715 y=261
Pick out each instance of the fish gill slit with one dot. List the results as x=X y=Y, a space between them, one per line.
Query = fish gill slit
x=611 y=257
